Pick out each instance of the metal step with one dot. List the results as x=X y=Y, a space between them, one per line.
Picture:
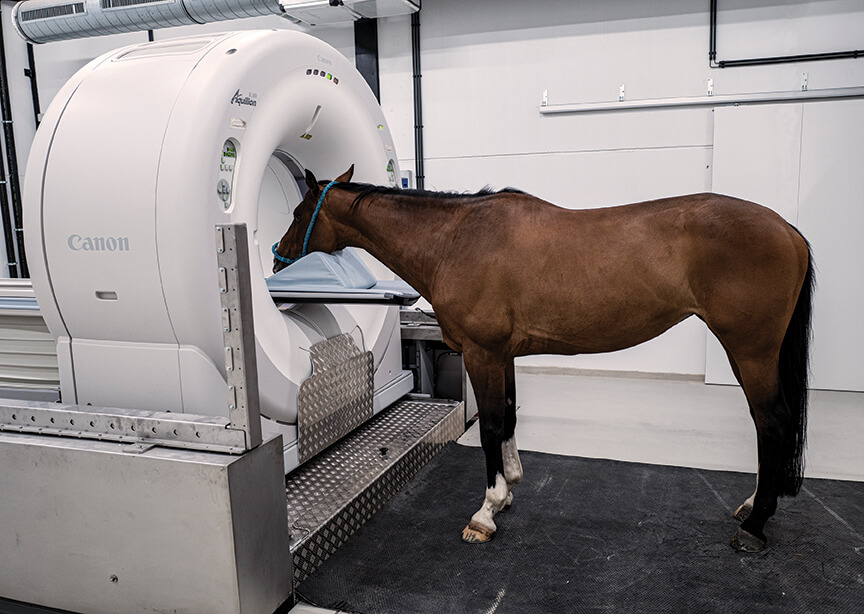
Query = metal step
x=335 y=493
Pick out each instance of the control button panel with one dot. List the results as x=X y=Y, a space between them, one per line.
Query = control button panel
x=225 y=183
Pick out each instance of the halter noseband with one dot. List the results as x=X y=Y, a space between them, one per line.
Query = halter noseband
x=308 y=231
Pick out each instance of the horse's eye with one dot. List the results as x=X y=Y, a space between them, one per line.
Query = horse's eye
x=296 y=215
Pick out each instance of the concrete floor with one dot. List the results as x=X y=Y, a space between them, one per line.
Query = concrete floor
x=669 y=422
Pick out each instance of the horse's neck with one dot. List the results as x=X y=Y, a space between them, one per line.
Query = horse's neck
x=409 y=237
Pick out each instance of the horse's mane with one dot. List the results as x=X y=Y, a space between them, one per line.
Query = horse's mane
x=366 y=189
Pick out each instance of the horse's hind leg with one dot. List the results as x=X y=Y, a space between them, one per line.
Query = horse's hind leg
x=745 y=508
x=772 y=418
x=489 y=376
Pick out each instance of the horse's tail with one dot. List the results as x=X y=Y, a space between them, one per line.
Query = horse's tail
x=794 y=372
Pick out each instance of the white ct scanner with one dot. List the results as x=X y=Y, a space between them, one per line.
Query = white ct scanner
x=140 y=155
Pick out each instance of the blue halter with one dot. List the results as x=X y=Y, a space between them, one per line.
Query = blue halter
x=308 y=231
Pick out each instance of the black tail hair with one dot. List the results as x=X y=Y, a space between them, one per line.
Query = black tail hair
x=794 y=373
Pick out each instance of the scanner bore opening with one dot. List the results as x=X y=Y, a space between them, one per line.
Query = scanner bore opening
x=282 y=189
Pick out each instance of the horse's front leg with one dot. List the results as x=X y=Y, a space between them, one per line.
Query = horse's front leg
x=489 y=376
x=509 y=451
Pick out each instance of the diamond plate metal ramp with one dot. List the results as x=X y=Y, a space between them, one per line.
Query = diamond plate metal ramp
x=335 y=493
x=337 y=397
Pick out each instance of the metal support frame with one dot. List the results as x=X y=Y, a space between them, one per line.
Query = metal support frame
x=417 y=76
x=238 y=333
x=140 y=430
x=190 y=513
x=423 y=346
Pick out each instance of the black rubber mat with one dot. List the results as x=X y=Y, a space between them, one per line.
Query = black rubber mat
x=589 y=535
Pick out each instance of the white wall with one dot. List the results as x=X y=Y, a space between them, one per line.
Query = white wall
x=803 y=160
x=486 y=64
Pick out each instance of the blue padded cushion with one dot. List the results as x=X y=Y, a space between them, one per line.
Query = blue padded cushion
x=324 y=272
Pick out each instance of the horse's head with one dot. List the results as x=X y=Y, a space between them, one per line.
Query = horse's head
x=312 y=227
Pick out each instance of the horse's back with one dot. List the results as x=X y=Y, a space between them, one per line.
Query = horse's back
x=595 y=280
x=704 y=228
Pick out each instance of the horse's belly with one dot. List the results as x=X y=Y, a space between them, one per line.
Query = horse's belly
x=580 y=327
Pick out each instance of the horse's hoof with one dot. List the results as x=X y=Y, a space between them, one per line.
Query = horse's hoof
x=743 y=512
x=744 y=541
x=476 y=533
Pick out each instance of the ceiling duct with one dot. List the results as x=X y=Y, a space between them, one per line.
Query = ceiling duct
x=321 y=12
x=42 y=21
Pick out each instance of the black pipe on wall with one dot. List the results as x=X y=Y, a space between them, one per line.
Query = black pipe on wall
x=8 y=238
x=20 y=268
x=419 y=171
x=30 y=73
x=713 y=62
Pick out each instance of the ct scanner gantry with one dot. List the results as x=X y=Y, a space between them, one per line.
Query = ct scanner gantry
x=138 y=158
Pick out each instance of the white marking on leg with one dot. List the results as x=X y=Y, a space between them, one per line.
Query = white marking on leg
x=494 y=503
x=750 y=502
x=752 y=498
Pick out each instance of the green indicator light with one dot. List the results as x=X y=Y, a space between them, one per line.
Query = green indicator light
x=380 y=126
x=329 y=76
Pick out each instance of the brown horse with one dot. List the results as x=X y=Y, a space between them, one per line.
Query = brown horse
x=511 y=275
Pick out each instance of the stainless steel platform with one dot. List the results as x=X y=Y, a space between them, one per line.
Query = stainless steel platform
x=335 y=493
x=95 y=527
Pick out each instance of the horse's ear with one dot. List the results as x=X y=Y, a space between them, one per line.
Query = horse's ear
x=311 y=182
x=346 y=176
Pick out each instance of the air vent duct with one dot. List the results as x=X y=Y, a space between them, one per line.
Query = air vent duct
x=43 y=21
x=321 y=12
x=57 y=10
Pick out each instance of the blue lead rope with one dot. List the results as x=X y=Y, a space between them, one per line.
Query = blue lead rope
x=308 y=231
